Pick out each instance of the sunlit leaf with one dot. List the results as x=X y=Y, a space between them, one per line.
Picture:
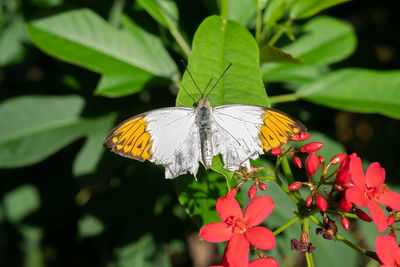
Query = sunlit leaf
x=358 y=90
x=21 y=202
x=306 y=8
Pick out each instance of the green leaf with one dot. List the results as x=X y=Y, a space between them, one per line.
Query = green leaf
x=163 y=11
x=35 y=127
x=242 y=11
x=276 y=9
x=358 y=90
x=306 y=8
x=122 y=84
x=20 y=202
x=217 y=166
x=11 y=42
x=215 y=45
x=90 y=154
x=198 y=197
x=316 y=48
x=89 y=226
x=82 y=37
x=269 y=53
x=144 y=252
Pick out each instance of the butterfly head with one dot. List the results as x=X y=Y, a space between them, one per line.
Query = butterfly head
x=204 y=102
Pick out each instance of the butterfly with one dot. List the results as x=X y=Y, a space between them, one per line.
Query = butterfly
x=180 y=137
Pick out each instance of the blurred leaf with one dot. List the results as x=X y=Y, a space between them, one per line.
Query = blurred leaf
x=89 y=226
x=144 y=252
x=217 y=166
x=20 y=202
x=84 y=38
x=317 y=47
x=242 y=11
x=121 y=84
x=215 y=46
x=275 y=10
x=164 y=12
x=34 y=127
x=358 y=90
x=306 y=8
x=199 y=197
x=90 y=154
x=269 y=53
x=47 y=3
x=33 y=235
x=11 y=41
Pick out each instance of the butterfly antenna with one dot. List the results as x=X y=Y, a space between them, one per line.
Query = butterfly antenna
x=184 y=64
x=222 y=75
x=184 y=89
x=208 y=84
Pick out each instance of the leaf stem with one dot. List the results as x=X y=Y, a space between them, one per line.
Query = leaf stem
x=281 y=31
x=179 y=39
x=281 y=185
x=258 y=25
x=224 y=10
x=286 y=225
x=284 y=98
x=114 y=17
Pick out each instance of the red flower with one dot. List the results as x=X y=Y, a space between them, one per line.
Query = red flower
x=370 y=190
x=321 y=203
x=240 y=229
x=300 y=136
x=387 y=250
x=343 y=176
x=311 y=147
x=262 y=262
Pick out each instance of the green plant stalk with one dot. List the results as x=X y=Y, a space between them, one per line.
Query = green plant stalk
x=286 y=225
x=284 y=98
x=289 y=175
x=295 y=199
x=309 y=257
x=346 y=241
x=258 y=25
x=281 y=31
x=114 y=17
x=224 y=10
x=179 y=39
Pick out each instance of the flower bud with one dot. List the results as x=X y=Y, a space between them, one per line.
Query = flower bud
x=321 y=159
x=393 y=235
x=339 y=158
x=262 y=186
x=390 y=219
x=309 y=200
x=345 y=223
x=300 y=136
x=321 y=203
x=297 y=162
x=295 y=186
x=345 y=205
x=311 y=147
x=252 y=191
x=312 y=164
x=276 y=151
x=363 y=216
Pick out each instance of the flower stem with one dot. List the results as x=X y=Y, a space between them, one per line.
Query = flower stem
x=258 y=25
x=114 y=15
x=281 y=185
x=284 y=98
x=281 y=31
x=286 y=225
x=179 y=39
x=224 y=10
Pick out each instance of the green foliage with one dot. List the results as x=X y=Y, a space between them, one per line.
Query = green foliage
x=124 y=209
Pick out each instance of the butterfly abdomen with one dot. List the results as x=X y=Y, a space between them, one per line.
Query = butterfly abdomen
x=203 y=121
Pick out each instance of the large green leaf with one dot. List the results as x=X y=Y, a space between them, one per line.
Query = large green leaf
x=316 y=47
x=11 y=41
x=84 y=38
x=358 y=90
x=216 y=44
x=306 y=8
x=34 y=127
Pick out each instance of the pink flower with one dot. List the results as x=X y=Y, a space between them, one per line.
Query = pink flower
x=369 y=190
x=239 y=229
x=387 y=250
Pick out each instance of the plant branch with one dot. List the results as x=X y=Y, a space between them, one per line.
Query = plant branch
x=179 y=39
x=281 y=31
x=286 y=225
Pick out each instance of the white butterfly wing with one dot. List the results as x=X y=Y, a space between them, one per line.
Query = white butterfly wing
x=165 y=136
x=243 y=132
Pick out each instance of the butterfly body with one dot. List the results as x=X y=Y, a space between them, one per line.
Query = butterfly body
x=179 y=137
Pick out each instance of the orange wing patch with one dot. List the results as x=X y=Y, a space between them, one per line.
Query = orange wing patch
x=277 y=128
x=130 y=139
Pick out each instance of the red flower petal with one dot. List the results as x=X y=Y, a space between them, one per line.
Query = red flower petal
x=387 y=250
x=228 y=206
x=260 y=237
x=356 y=196
x=264 y=262
x=375 y=175
x=378 y=216
x=237 y=251
x=357 y=173
x=258 y=210
x=215 y=232
x=391 y=199
x=312 y=163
